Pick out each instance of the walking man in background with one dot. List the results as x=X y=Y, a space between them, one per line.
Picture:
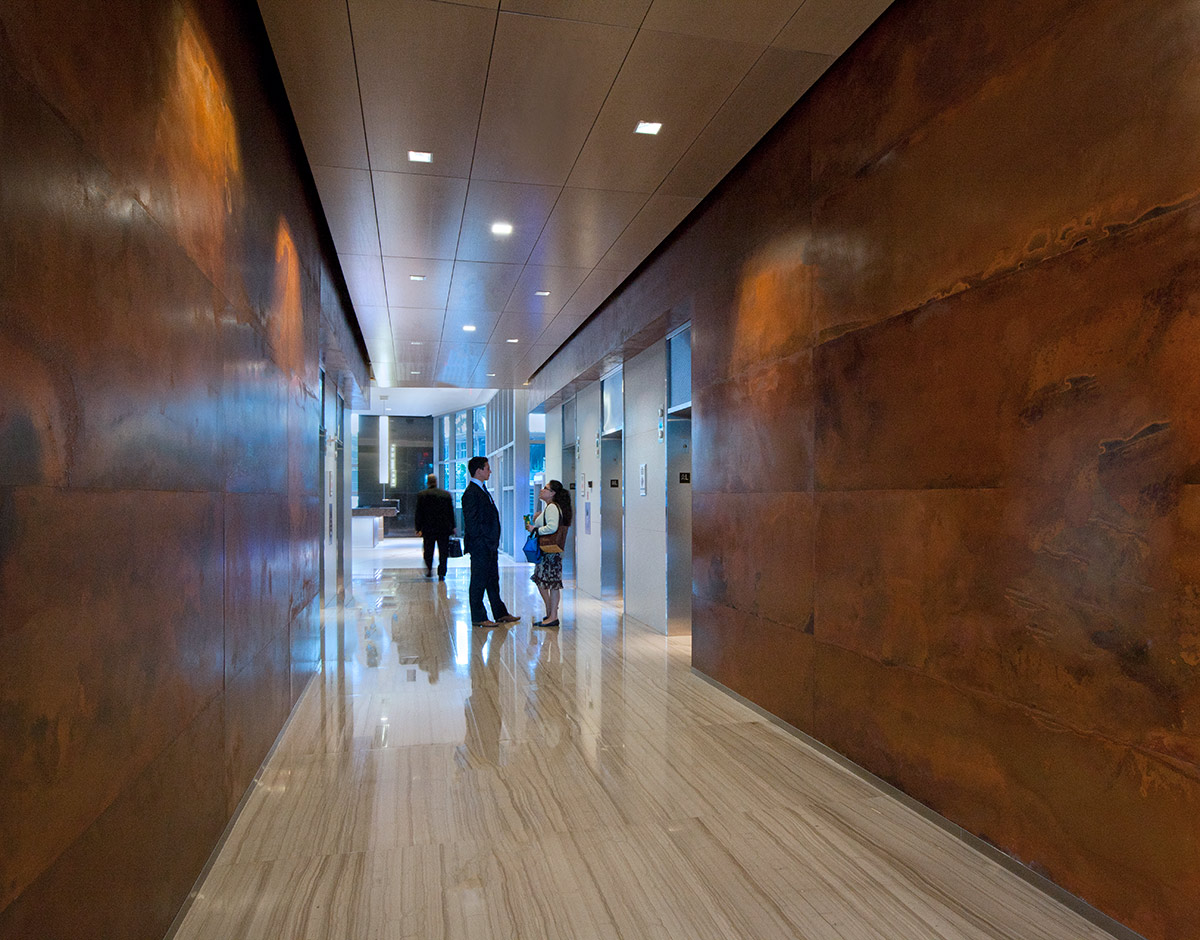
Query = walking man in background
x=435 y=524
x=481 y=540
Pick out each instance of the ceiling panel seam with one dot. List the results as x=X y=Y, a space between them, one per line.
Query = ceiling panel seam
x=470 y=173
x=475 y=145
x=371 y=179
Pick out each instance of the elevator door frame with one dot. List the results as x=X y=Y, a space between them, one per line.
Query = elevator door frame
x=679 y=522
x=612 y=517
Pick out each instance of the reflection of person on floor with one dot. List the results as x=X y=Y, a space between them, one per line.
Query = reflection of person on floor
x=483 y=705
x=546 y=692
x=423 y=641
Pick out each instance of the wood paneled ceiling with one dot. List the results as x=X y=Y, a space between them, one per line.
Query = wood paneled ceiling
x=528 y=109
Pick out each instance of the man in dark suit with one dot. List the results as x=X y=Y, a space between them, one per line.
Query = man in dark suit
x=435 y=524
x=481 y=540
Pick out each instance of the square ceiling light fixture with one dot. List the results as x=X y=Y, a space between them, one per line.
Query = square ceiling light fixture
x=502 y=228
x=419 y=156
x=648 y=127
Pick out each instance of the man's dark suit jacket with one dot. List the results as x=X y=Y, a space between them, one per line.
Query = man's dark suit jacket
x=481 y=522
x=435 y=512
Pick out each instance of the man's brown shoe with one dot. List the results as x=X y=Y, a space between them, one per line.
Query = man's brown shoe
x=508 y=618
x=484 y=623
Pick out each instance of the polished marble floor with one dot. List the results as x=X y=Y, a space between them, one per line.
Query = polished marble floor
x=439 y=781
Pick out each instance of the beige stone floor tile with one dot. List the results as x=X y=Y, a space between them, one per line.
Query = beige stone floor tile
x=437 y=781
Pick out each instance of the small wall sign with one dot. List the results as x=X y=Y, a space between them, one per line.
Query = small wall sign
x=685 y=478
x=613 y=484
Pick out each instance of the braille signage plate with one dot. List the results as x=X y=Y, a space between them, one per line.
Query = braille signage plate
x=685 y=478
x=613 y=484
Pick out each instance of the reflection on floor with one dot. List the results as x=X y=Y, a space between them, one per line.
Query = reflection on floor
x=441 y=781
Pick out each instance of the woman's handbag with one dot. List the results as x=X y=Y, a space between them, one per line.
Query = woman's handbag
x=454 y=548
x=555 y=543
x=532 y=550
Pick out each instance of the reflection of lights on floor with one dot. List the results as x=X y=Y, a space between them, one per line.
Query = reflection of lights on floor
x=462 y=652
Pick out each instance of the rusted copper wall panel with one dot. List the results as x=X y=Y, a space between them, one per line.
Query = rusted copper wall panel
x=738 y=562
x=105 y=662
x=125 y=875
x=927 y=68
x=305 y=640
x=1111 y=823
x=778 y=394
x=161 y=320
x=770 y=664
x=1089 y=129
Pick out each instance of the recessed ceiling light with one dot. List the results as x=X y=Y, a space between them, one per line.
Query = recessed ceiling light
x=416 y=277
x=468 y=328
x=512 y=341
x=415 y=342
x=541 y=293
x=491 y=375
x=648 y=127
x=414 y=372
x=419 y=156
x=502 y=228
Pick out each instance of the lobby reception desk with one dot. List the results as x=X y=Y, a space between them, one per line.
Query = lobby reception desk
x=367 y=525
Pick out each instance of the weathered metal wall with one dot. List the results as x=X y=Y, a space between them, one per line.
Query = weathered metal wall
x=163 y=298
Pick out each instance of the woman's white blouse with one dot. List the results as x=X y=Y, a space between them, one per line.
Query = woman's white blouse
x=550 y=515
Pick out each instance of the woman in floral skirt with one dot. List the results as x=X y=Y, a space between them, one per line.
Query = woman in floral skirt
x=551 y=526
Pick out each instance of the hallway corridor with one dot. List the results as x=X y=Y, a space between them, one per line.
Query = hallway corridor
x=450 y=783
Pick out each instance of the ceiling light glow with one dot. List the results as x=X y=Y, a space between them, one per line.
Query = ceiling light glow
x=512 y=341
x=419 y=156
x=491 y=375
x=468 y=328
x=415 y=342
x=648 y=127
x=541 y=293
x=502 y=228
x=416 y=277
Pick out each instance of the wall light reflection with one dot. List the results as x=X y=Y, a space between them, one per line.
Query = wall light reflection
x=196 y=144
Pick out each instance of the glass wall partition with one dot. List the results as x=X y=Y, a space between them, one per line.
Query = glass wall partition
x=486 y=430
x=462 y=435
